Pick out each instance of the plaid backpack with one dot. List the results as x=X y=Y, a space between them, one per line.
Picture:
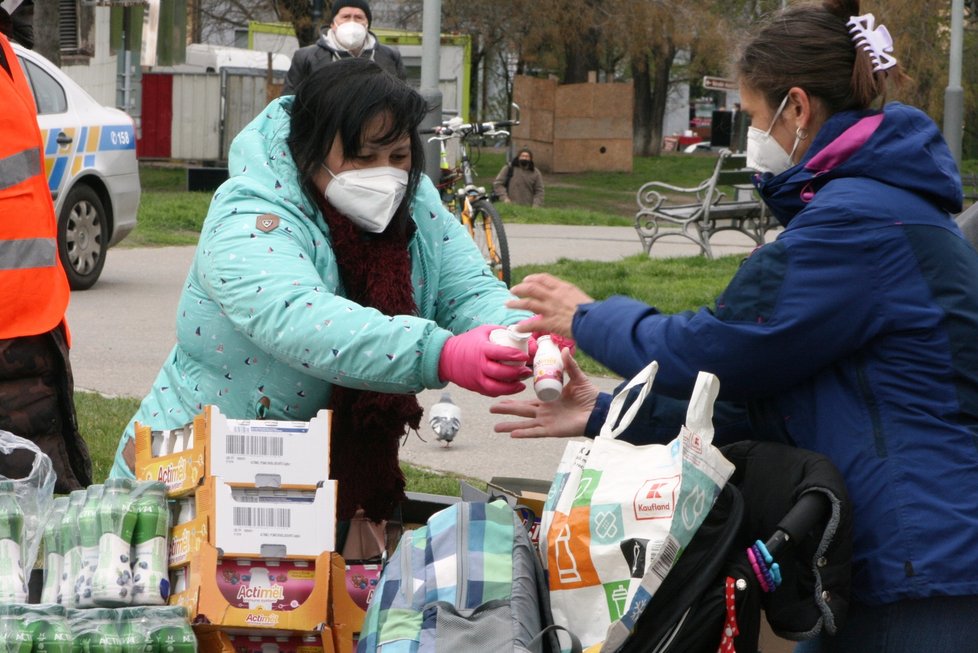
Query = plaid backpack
x=470 y=580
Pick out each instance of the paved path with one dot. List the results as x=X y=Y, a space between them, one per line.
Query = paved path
x=123 y=328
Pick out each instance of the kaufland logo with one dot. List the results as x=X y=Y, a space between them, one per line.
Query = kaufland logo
x=656 y=498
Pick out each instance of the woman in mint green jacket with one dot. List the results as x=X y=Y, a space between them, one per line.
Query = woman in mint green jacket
x=329 y=275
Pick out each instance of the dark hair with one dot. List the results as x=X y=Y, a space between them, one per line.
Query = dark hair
x=516 y=158
x=810 y=46
x=338 y=100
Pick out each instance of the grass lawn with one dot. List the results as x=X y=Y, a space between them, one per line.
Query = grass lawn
x=170 y=215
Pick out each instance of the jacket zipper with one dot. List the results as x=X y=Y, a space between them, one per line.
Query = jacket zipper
x=872 y=407
x=461 y=554
x=407 y=573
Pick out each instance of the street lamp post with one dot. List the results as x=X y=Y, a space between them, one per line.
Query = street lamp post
x=430 y=67
x=954 y=94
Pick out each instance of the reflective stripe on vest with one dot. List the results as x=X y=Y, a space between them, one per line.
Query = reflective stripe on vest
x=28 y=253
x=19 y=167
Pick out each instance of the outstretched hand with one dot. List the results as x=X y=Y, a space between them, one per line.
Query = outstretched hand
x=552 y=299
x=564 y=418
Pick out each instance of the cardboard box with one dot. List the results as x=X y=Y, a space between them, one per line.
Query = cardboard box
x=526 y=496
x=419 y=506
x=529 y=492
x=256 y=593
x=263 y=453
x=267 y=522
x=212 y=639
x=187 y=539
x=181 y=471
x=268 y=453
x=345 y=616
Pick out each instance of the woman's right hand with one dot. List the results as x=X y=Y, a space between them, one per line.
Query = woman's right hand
x=566 y=417
x=471 y=360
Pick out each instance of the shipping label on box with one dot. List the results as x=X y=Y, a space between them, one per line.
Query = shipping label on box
x=268 y=452
x=267 y=522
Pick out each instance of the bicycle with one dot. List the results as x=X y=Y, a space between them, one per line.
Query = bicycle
x=468 y=202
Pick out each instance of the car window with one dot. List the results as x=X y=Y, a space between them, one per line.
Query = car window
x=49 y=96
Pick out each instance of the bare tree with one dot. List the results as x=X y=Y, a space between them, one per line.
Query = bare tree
x=299 y=13
x=218 y=19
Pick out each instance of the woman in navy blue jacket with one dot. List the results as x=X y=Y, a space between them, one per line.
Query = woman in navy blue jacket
x=854 y=334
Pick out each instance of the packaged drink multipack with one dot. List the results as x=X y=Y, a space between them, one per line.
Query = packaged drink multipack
x=71 y=542
x=94 y=630
x=48 y=628
x=112 y=581
x=13 y=579
x=88 y=534
x=150 y=553
x=54 y=552
x=14 y=636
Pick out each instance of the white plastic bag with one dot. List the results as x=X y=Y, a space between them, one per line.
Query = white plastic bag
x=618 y=515
x=34 y=492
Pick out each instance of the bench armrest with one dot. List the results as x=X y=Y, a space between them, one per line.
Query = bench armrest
x=653 y=194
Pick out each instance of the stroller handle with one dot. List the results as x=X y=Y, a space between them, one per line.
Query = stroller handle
x=808 y=511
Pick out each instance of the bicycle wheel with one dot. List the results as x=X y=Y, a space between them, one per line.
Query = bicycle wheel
x=487 y=231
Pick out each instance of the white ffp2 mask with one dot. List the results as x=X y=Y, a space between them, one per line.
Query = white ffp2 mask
x=350 y=35
x=369 y=197
x=764 y=153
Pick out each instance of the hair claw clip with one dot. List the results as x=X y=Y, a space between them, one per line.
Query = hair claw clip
x=874 y=40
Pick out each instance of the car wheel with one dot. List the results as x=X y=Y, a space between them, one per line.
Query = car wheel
x=83 y=237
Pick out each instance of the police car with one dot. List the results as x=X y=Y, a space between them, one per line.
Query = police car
x=90 y=163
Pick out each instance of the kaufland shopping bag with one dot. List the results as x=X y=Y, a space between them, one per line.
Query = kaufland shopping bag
x=618 y=515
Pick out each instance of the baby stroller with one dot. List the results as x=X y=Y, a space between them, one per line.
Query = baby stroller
x=712 y=598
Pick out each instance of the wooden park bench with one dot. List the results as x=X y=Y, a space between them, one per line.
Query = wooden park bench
x=708 y=209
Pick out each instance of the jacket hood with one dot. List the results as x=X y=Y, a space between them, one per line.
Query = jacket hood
x=898 y=146
x=261 y=165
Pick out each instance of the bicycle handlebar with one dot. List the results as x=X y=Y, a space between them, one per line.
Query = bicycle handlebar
x=447 y=129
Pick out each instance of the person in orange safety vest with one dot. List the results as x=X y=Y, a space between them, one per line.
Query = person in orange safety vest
x=36 y=385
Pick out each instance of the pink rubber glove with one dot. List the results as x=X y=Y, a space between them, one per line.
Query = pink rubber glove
x=475 y=363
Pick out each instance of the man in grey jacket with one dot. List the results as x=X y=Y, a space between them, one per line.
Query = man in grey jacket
x=348 y=35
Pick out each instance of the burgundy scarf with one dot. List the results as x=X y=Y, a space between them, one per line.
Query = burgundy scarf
x=367 y=426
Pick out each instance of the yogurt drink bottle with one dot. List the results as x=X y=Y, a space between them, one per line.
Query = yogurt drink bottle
x=14 y=637
x=71 y=542
x=133 y=626
x=150 y=557
x=88 y=532
x=13 y=579
x=94 y=631
x=509 y=337
x=54 y=553
x=173 y=634
x=548 y=370
x=48 y=628
x=112 y=583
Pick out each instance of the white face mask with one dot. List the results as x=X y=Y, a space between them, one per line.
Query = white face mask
x=369 y=197
x=764 y=153
x=350 y=35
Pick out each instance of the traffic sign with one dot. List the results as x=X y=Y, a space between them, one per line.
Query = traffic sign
x=719 y=83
